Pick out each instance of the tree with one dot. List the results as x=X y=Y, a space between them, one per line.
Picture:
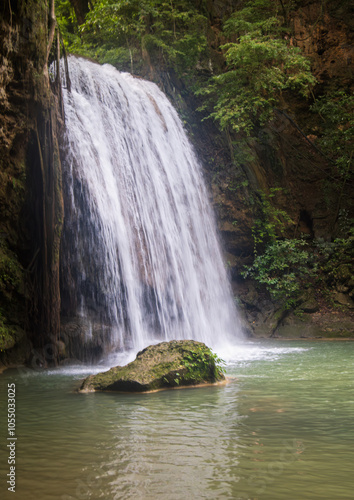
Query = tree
x=81 y=8
x=261 y=64
x=172 y=32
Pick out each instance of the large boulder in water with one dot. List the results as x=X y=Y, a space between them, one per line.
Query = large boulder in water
x=161 y=366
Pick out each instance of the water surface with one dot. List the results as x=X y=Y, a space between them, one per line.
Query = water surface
x=281 y=429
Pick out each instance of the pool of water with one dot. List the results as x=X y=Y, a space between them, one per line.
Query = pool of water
x=282 y=428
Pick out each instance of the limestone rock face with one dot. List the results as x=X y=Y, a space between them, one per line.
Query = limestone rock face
x=31 y=204
x=165 y=365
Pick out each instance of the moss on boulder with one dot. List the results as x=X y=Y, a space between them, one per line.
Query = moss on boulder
x=164 y=365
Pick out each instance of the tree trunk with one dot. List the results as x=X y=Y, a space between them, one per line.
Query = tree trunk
x=81 y=8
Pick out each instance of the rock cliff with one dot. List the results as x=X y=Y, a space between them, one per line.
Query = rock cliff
x=284 y=154
x=30 y=191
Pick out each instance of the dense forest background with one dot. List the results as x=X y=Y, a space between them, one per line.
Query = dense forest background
x=264 y=88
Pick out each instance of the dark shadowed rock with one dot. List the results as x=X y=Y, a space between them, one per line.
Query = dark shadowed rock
x=165 y=365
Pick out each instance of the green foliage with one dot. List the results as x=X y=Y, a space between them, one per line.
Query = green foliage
x=7 y=333
x=119 y=57
x=130 y=31
x=201 y=363
x=336 y=259
x=272 y=221
x=11 y=287
x=287 y=267
x=67 y=23
x=269 y=16
x=261 y=65
x=11 y=272
x=284 y=269
x=337 y=134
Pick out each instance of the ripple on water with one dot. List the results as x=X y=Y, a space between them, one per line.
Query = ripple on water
x=282 y=429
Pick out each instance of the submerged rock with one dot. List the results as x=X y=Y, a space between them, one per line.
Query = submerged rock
x=165 y=365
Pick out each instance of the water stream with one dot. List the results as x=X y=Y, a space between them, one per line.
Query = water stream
x=141 y=258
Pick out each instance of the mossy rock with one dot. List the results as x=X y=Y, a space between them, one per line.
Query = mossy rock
x=308 y=302
x=344 y=273
x=161 y=366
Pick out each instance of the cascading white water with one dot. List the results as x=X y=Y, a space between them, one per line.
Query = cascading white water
x=141 y=251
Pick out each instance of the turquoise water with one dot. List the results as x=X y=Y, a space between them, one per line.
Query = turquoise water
x=282 y=428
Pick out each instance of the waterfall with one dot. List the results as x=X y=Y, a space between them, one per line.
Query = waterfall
x=140 y=257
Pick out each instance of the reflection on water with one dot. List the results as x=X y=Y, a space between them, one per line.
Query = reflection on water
x=282 y=429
